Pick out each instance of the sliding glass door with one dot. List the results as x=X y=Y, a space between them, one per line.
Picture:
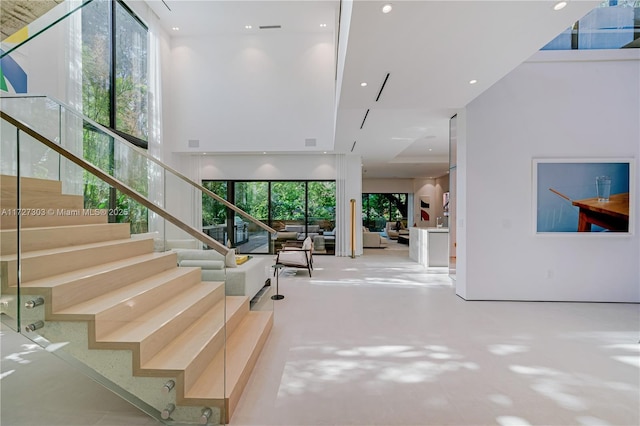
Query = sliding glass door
x=299 y=208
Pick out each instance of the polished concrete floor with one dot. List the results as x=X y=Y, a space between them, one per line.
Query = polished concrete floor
x=379 y=340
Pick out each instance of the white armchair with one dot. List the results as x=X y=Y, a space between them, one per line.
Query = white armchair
x=295 y=257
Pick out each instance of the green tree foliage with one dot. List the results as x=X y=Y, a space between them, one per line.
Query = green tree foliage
x=131 y=106
x=252 y=197
x=378 y=209
x=214 y=212
x=287 y=201
x=322 y=201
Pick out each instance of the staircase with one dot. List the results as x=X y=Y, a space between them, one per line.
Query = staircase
x=126 y=311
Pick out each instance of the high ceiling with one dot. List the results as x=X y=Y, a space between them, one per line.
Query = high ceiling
x=15 y=14
x=430 y=51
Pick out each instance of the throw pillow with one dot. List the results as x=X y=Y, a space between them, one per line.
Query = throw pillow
x=230 y=259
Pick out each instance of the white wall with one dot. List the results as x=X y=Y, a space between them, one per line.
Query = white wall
x=558 y=104
x=434 y=189
x=266 y=167
x=387 y=186
x=245 y=92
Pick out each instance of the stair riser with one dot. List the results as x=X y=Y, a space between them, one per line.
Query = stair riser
x=163 y=335
x=236 y=391
x=85 y=217
x=9 y=183
x=38 y=267
x=84 y=289
x=119 y=315
x=47 y=238
x=43 y=201
x=41 y=275
x=192 y=372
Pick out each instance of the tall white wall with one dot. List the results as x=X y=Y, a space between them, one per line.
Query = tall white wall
x=266 y=91
x=558 y=104
x=434 y=189
x=267 y=167
x=387 y=185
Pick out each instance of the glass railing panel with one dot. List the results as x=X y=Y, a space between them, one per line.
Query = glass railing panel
x=613 y=25
x=9 y=214
x=247 y=274
x=38 y=29
x=49 y=317
x=607 y=28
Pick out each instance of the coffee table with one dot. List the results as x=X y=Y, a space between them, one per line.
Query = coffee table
x=403 y=239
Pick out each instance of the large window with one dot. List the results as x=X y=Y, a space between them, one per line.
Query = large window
x=378 y=209
x=307 y=207
x=114 y=94
x=114 y=69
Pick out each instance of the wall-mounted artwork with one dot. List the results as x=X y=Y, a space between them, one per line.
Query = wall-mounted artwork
x=583 y=196
x=445 y=203
x=424 y=207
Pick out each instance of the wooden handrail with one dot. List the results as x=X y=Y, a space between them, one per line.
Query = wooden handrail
x=158 y=162
x=199 y=235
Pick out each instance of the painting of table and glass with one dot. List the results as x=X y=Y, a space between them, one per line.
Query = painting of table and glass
x=582 y=196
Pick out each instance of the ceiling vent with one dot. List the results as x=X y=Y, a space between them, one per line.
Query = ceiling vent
x=194 y=143
x=382 y=87
x=270 y=27
x=364 y=119
x=310 y=142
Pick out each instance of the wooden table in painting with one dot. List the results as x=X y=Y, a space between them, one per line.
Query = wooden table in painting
x=612 y=215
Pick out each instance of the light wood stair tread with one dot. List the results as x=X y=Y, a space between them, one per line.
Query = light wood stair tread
x=145 y=325
x=69 y=249
x=29 y=184
x=66 y=277
x=28 y=222
x=123 y=294
x=45 y=237
x=240 y=347
x=181 y=351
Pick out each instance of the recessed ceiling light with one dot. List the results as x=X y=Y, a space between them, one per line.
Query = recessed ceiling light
x=323 y=25
x=560 y=5
x=264 y=152
x=247 y=27
x=473 y=81
x=387 y=8
x=430 y=149
x=363 y=84
x=175 y=28
x=325 y=152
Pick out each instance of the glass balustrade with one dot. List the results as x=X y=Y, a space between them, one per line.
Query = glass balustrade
x=114 y=214
x=613 y=25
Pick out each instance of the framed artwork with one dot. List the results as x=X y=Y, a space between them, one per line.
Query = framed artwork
x=583 y=196
x=445 y=203
x=425 y=202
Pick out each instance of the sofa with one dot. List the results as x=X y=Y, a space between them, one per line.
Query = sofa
x=299 y=230
x=373 y=239
x=393 y=233
x=246 y=279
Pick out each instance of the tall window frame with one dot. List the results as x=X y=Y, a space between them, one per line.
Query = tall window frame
x=114 y=91
x=309 y=214
x=379 y=208
x=118 y=15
